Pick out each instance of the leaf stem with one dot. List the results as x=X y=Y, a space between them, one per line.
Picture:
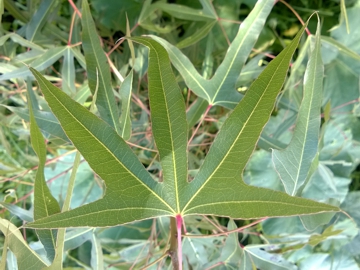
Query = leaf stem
x=156 y=261
x=225 y=233
x=199 y=124
x=179 y=222
x=173 y=244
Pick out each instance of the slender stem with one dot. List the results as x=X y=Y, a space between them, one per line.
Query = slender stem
x=71 y=28
x=75 y=8
x=156 y=261
x=173 y=244
x=179 y=222
x=225 y=233
x=199 y=124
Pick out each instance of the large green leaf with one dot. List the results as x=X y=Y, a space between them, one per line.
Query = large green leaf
x=131 y=193
x=220 y=89
x=218 y=188
x=294 y=162
x=98 y=71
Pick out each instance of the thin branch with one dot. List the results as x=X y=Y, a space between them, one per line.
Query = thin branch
x=225 y=233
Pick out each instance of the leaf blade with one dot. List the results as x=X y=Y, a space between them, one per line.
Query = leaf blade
x=168 y=119
x=220 y=90
x=218 y=185
x=24 y=254
x=130 y=188
x=96 y=62
x=44 y=202
x=294 y=162
x=125 y=95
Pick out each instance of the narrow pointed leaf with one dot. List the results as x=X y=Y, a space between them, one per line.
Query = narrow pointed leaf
x=168 y=120
x=266 y=260
x=197 y=36
x=340 y=47
x=24 y=254
x=220 y=90
x=44 y=61
x=294 y=162
x=20 y=40
x=184 y=12
x=23 y=214
x=125 y=95
x=39 y=19
x=232 y=255
x=46 y=121
x=96 y=62
x=218 y=187
x=131 y=193
x=68 y=72
x=97 y=258
x=44 y=203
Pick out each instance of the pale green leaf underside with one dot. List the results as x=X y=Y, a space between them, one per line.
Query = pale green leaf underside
x=125 y=95
x=25 y=255
x=293 y=163
x=218 y=188
x=220 y=90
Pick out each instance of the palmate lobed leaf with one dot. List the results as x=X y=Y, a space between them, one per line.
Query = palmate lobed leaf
x=131 y=193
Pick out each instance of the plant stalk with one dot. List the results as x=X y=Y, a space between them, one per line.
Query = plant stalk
x=173 y=250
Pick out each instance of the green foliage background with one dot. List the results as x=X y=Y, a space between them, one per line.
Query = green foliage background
x=46 y=34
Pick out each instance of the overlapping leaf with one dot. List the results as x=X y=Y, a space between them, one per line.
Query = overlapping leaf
x=24 y=254
x=125 y=94
x=220 y=90
x=39 y=19
x=294 y=162
x=97 y=69
x=218 y=188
